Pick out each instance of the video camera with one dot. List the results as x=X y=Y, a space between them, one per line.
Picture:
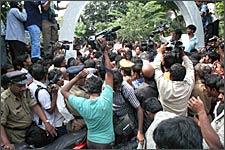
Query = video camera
x=160 y=28
x=109 y=34
x=64 y=44
x=176 y=49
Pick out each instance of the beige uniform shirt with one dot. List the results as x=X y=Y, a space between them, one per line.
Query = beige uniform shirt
x=16 y=114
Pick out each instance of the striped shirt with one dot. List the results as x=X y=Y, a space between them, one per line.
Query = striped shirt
x=123 y=95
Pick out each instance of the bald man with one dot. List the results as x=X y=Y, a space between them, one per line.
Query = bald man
x=147 y=89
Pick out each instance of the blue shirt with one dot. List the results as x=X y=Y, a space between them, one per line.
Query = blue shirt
x=191 y=44
x=98 y=115
x=137 y=83
x=14 y=25
x=33 y=13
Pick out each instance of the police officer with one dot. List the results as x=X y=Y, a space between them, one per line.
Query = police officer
x=16 y=111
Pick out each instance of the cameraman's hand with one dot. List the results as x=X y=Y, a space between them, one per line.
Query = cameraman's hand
x=162 y=48
x=83 y=74
x=103 y=44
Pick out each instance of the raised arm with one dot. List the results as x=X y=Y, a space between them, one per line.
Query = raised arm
x=22 y=16
x=209 y=134
x=108 y=66
x=46 y=5
x=65 y=90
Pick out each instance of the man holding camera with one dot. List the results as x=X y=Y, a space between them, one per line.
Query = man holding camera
x=174 y=93
x=175 y=36
x=15 y=31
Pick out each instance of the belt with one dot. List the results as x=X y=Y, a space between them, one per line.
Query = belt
x=19 y=129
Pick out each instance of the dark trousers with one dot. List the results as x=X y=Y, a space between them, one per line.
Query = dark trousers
x=93 y=145
x=16 y=48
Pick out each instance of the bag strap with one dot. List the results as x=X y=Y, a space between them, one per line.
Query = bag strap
x=36 y=96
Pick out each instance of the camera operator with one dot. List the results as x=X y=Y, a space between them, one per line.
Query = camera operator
x=15 y=31
x=50 y=26
x=174 y=93
x=175 y=36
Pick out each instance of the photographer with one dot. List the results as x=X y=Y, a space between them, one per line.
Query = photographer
x=175 y=36
x=15 y=31
x=175 y=92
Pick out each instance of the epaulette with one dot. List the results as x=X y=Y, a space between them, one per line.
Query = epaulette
x=5 y=94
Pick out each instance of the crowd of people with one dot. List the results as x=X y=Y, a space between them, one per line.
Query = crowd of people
x=165 y=94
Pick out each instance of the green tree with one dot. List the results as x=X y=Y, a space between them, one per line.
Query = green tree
x=140 y=20
x=220 y=12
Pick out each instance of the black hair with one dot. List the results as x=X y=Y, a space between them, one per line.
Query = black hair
x=129 y=45
x=192 y=27
x=98 y=54
x=71 y=62
x=211 y=80
x=178 y=32
x=38 y=71
x=58 y=60
x=137 y=60
x=54 y=75
x=13 y=4
x=117 y=77
x=213 y=56
x=128 y=55
x=94 y=84
x=137 y=68
x=126 y=71
x=83 y=59
x=6 y=67
x=90 y=63
x=169 y=60
x=140 y=47
x=152 y=105
x=19 y=62
x=178 y=133
x=112 y=56
x=177 y=72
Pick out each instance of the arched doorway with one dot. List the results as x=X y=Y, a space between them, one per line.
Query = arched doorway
x=188 y=10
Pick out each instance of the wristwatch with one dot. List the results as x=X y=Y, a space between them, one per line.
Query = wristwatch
x=46 y=121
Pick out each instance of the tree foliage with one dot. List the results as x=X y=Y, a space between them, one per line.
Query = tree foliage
x=137 y=18
x=220 y=12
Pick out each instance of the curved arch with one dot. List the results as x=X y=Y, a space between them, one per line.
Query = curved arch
x=188 y=10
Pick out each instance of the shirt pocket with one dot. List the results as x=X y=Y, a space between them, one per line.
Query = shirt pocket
x=18 y=113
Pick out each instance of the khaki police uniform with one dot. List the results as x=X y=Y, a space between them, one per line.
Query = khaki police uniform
x=16 y=114
x=80 y=92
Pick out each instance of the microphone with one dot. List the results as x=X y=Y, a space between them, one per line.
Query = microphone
x=115 y=29
x=106 y=31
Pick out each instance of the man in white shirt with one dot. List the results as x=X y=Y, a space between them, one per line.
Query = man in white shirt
x=153 y=108
x=174 y=93
x=43 y=97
